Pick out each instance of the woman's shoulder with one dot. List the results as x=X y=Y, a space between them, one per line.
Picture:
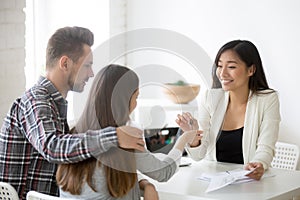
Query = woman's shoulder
x=267 y=94
x=215 y=93
x=266 y=97
x=213 y=97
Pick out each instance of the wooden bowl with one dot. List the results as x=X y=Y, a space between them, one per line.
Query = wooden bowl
x=181 y=94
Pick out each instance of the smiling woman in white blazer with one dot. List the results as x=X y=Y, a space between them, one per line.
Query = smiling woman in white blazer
x=240 y=115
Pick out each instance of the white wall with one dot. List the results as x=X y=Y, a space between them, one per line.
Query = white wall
x=272 y=25
x=12 y=53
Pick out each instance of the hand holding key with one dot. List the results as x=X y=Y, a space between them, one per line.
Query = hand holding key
x=187 y=122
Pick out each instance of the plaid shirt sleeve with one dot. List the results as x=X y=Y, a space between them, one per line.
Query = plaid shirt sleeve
x=34 y=137
x=47 y=130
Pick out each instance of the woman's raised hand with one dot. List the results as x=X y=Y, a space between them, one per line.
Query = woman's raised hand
x=187 y=122
x=191 y=137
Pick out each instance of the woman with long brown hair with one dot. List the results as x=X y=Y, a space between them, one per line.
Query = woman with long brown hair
x=113 y=175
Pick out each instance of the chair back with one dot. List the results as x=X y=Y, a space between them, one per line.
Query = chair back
x=34 y=195
x=8 y=192
x=286 y=156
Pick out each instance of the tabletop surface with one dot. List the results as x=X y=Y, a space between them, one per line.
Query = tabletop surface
x=185 y=185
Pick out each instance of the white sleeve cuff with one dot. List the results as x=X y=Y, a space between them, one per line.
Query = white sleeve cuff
x=193 y=152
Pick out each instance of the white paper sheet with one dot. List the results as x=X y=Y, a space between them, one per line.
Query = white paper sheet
x=222 y=179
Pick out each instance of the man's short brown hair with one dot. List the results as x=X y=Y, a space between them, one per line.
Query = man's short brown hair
x=68 y=41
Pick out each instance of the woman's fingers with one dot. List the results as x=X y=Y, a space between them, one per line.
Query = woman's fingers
x=257 y=170
x=187 y=122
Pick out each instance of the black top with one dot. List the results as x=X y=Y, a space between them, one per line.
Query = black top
x=229 y=146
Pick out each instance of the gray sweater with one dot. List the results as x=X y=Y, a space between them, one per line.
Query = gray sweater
x=147 y=163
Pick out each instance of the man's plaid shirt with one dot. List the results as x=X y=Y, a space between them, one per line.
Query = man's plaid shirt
x=34 y=139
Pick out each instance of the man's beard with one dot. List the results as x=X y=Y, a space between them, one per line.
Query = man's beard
x=75 y=86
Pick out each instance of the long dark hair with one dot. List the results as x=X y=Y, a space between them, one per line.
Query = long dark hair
x=107 y=105
x=113 y=93
x=249 y=54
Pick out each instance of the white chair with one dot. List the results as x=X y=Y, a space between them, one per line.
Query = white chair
x=8 y=192
x=34 y=195
x=286 y=156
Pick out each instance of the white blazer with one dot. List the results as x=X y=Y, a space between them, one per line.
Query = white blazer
x=260 y=132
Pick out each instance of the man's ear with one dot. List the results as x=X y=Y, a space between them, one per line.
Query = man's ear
x=63 y=62
x=252 y=70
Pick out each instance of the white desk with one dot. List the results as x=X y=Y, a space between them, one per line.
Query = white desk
x=184 y=185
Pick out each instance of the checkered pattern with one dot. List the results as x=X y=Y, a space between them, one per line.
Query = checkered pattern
x=34 y=139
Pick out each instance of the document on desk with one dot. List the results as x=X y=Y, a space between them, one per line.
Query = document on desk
x=222 y=179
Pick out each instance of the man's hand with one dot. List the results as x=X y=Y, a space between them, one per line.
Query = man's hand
x=130 y=138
